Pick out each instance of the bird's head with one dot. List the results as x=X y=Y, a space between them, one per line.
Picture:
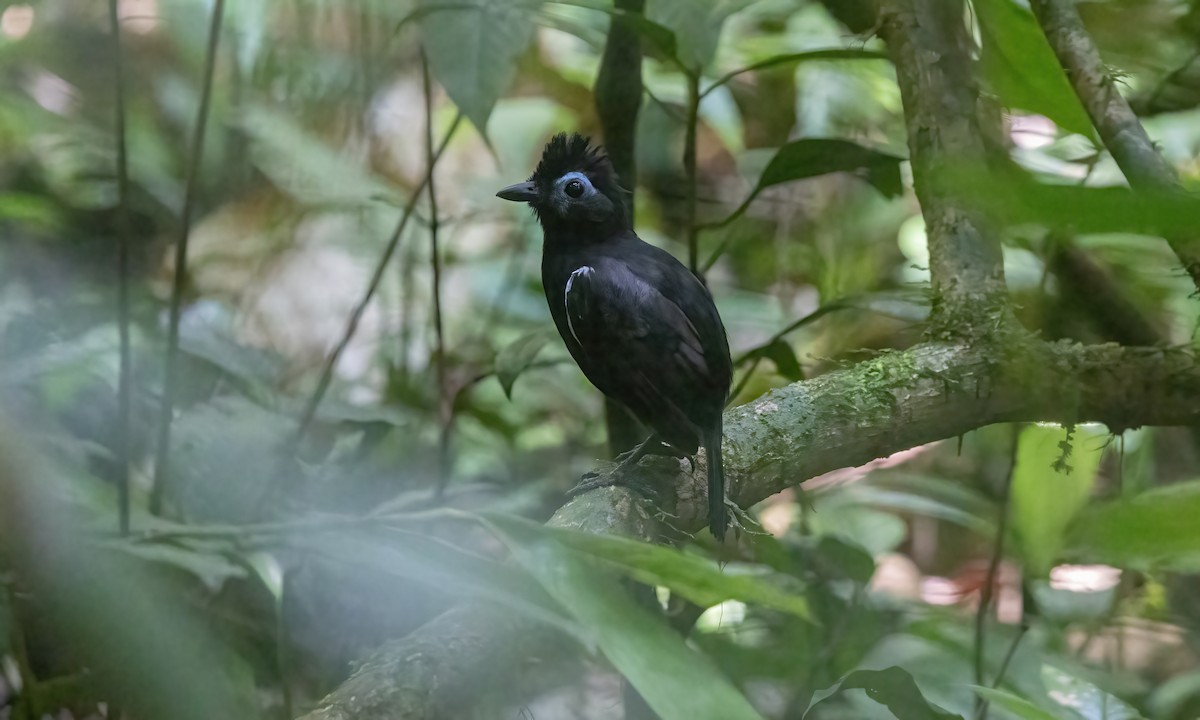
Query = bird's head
x=573 y=186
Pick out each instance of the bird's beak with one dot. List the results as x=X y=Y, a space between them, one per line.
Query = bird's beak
x=521 y=192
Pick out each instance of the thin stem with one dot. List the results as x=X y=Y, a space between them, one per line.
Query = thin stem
x=310 y=408
x=689 y=169
x=989 y=584
x=124 y=373
x=162 y=451
x=445 y=402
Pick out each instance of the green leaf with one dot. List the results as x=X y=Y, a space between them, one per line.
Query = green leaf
x=473 y=46
x=677 y=682
x=1051 y=482
x=208 y=566
x=1085 y=698
x=442 y=566
x=1053 y=479
x=781 y=353
x=696 y=26
x=812 y=157
x=1151 y=530
x=517 y=357
x=797 y=58
x=1022 y=69
x=694 y=577
x=1020 y=707
x=893 y=688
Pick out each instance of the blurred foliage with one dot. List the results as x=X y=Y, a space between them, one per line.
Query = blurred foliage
x=283 y=559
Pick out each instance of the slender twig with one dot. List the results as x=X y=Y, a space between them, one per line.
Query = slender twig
x=162 y=451
x=689 y=168
x=444 y=401
x=1120 y=129
x=987 y=593
x=797 y=58
x=314 y=401
x=124 y=373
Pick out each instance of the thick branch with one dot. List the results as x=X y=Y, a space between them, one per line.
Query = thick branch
x=894 y=402
x=1119 y=128
x=932 y=53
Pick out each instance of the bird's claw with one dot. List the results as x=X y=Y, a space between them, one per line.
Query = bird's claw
x=617 y=477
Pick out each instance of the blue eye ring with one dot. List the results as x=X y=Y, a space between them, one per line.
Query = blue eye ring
x=573 y=188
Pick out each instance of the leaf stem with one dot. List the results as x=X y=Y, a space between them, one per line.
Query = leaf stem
x=124 y=372
x=162 y=450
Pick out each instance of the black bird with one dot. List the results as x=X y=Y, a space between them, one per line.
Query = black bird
x=643 y=328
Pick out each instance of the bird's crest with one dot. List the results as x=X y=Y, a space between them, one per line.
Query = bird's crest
x=572 y=153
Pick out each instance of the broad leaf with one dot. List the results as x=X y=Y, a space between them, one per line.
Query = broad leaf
x=1154 y=529
x=696 y=26
x=1017 y=706
x=694 y=577
x=1022 y=69
x=677 y=682
x=473 y=46
x=517 y=357
x=1051 y=482
x=812 y=157
x=893 y=688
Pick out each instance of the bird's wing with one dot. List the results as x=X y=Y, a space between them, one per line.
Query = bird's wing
x=639 y=346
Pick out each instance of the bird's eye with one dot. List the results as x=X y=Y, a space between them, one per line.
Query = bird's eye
x=574 y=188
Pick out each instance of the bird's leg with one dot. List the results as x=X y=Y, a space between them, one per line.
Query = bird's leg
x=650 y=446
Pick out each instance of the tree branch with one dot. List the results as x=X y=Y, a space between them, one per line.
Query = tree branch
x=1119 y=128
x=929 y=45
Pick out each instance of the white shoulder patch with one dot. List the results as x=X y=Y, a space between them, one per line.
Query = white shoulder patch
x=584 y=271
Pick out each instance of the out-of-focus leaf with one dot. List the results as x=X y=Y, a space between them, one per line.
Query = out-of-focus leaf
x=517 y=357
x=812 y=157
x=797 y=58
x=677 y=682
x=1017 y=706
x=1021 y=68
x=932 y=497
x=144 y=641
x=212 y=568
x=304 y=165
x=781 y=353
x=209 y=343
x=696 y=26
x=694 y=577
x=1081 y=696
x=893 y=688
x=473 y=46
x=270 y=573
x=444 y=567
x=1159 y=528
x=31 y=210
x=1051 y=482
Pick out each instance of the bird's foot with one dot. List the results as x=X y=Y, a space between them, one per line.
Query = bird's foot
x=617 y=477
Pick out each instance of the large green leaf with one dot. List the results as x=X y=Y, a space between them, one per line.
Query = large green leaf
x=696 y=26
x=473 y=46
x=812 y=157
x=677 y=682
x=517 y=356
x=1017 y=706
x=1158 y=528
x=1051 y=482
x=891 y=687
x=1022 y=69
x=694 y=577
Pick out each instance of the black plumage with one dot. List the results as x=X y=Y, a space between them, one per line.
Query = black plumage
x=643 y=328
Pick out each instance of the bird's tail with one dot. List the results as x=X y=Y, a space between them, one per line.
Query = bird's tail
x=718 y=516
